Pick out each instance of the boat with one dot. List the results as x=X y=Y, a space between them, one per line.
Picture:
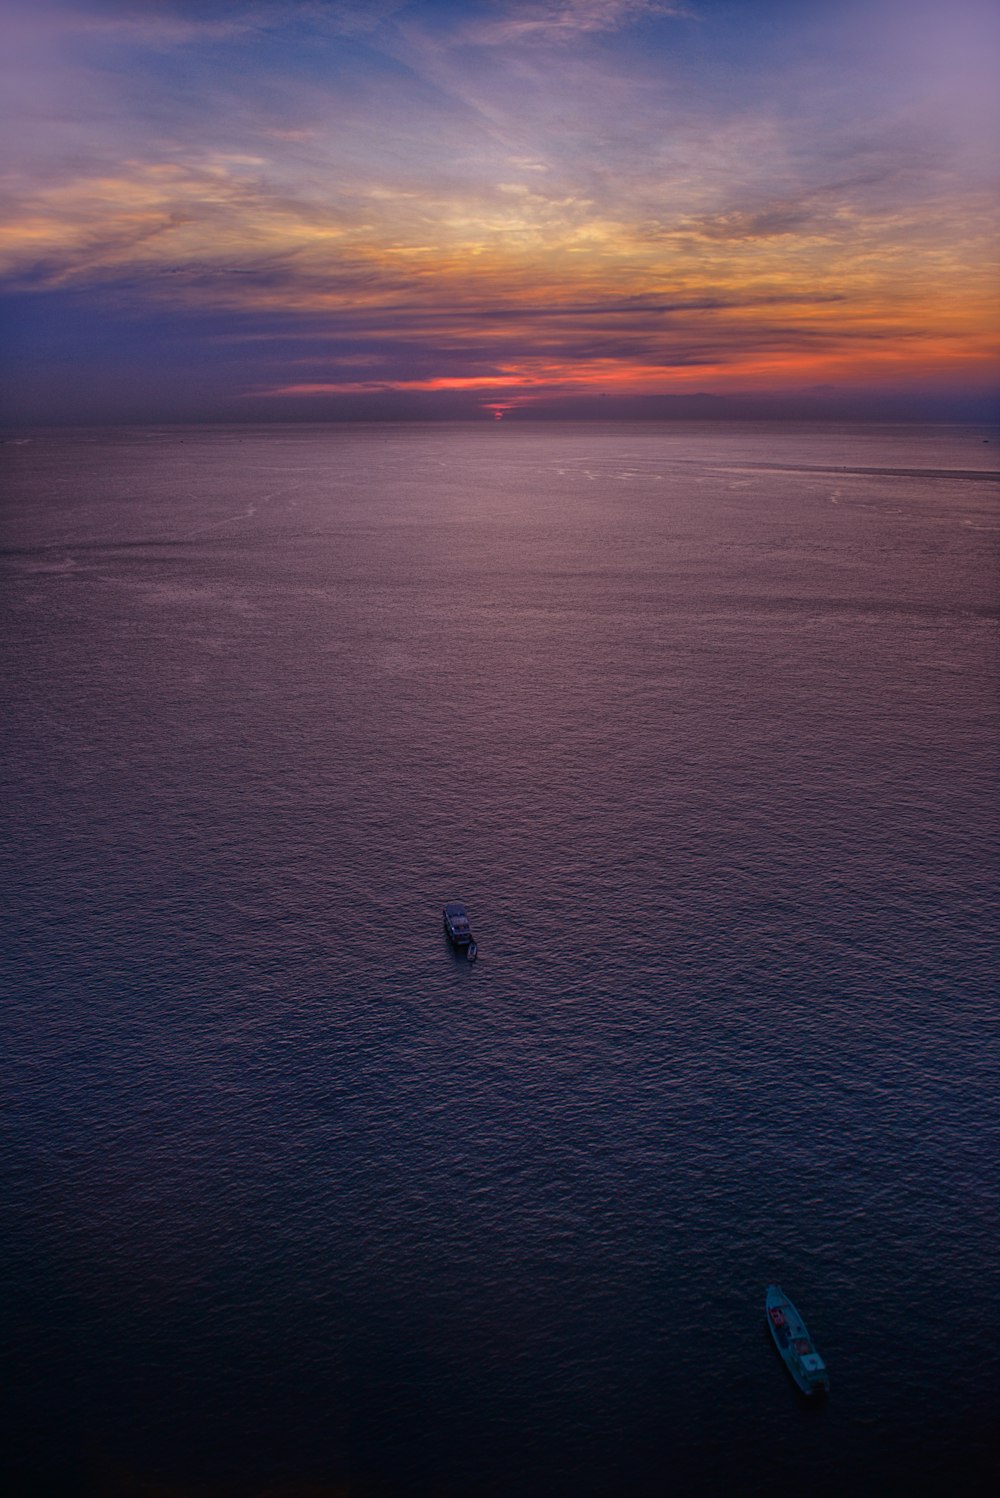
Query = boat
x=793 y=1341
x=458 y=930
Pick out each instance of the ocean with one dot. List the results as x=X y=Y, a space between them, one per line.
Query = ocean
x=701 y=723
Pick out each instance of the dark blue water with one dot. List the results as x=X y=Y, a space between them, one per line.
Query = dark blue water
x=701 y=724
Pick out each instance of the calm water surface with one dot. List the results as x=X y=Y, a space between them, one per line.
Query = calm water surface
x=701 y=723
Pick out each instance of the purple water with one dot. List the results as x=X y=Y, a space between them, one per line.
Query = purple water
x=701 y=724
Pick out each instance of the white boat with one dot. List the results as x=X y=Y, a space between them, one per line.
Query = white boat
x=456 y=924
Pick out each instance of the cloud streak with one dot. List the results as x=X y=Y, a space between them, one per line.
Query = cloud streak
x=565 y=22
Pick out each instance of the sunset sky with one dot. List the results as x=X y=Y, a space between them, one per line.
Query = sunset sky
x=351 y=208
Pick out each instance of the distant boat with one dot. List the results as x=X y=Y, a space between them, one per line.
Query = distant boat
x=794 y=1343
x=456 y=925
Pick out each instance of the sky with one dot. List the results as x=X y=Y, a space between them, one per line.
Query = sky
x=498 y=209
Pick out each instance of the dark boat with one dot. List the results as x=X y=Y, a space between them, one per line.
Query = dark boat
x=459 y=933
x=794 y=1343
